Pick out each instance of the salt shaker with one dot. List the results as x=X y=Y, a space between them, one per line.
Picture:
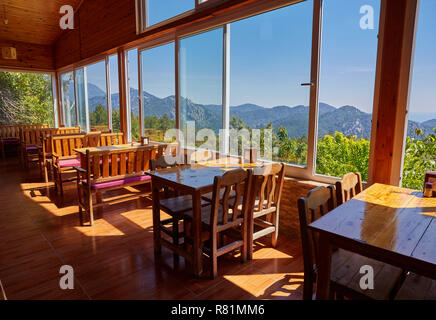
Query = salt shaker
x=428 y=190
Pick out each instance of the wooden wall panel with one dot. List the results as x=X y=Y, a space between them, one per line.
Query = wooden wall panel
x=29 y=56
x=106 y=24
x=67 y=48
x=289 y=221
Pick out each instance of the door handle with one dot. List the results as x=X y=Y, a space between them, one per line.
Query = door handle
x=310 y=84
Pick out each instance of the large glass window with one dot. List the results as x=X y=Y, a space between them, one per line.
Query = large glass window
x=420 y=150
x=97 y=95
x=26 y=98
x=68 y=99
x=269 y=59
x=158 y=81
x=115 y=93
x=82 y=100
x=161 y=10
x=200 y=80
x=346 y=89
x=133 y=103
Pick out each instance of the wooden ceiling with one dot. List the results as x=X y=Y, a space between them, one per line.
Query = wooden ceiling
x=32 y=21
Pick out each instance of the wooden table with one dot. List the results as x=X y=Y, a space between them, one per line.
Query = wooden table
x=387 y=223
x=195 y=179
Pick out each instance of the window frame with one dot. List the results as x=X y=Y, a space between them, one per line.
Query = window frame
x=307 y=172
x=100 y=58
x=141 y=13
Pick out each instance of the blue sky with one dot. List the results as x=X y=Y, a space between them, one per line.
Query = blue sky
x=270 y=57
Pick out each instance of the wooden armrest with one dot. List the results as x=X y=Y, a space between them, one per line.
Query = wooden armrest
x=79 y=169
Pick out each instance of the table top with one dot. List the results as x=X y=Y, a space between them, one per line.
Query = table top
x=199 y=175
x=386 y=217
x=119 y=147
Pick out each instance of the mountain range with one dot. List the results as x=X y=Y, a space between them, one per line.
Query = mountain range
x=347 y=119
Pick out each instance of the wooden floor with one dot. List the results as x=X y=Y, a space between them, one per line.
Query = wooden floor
x=114 y=259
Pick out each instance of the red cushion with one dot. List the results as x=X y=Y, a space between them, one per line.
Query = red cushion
x=10 y=140
x=120 y=182
x=69 y=162
x=30 y=148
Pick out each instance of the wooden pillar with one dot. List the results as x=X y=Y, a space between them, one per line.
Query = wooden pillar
x=394 y=62
x=123 y=91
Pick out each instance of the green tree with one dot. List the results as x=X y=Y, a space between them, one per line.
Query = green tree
x=99 y=116
x=25 y=98
x=419 y=156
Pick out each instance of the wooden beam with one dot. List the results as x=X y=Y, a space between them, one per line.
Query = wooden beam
x=392 y=86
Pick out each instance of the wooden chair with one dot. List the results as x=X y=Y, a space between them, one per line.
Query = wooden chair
x=174 y=204
x=266 y=192
x=345 y=268
x=416 y=287
x=46 y=154
x=65 y=158
x=110 y=170
x=226 y=217
x=430 y=176
x=10 y=134
x=92 y=139
x=111 y=139
x=348 y=187
x=31 y=142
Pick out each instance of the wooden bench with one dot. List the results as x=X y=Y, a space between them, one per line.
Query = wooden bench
x=65 y=158
x=46 y=152
x=10 y=134
x=31 y=141
x=112 y=169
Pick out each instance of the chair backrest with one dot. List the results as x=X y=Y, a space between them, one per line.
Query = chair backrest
x=111 y=139
x=102 y=129
x=32 y=136
x=227 y=211
x=348 y=187
x=267 y=186
x=63 y=146
x=166 y=161
x=92 y=139
x=117 y=164
x=318 y=202
x=200 y=156
x=14 y=131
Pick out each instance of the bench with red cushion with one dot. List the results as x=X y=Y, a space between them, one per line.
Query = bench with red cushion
x=119 y=182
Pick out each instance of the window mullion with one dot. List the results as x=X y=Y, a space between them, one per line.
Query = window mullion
x=314 y=89
x=226 y=89
x=108 y=93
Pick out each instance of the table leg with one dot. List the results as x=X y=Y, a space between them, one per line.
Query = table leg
x=156 y=216
x=324 y=268
x=196 y=234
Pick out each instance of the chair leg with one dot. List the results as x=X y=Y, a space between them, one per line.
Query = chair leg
x=213 y=257
x=61 y=187
x=55 y=178
x=275 y=234
x=175 y=231
x=250 y=232
x=41 y=169
x=91 y=209
x=99 y=198
x=307 y=287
